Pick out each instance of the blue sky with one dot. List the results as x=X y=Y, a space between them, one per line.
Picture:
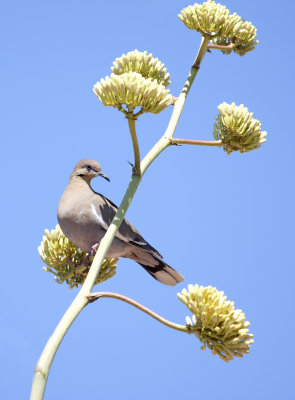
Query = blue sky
x=226 y=221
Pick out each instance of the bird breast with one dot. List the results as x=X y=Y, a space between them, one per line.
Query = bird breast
x=80 y=223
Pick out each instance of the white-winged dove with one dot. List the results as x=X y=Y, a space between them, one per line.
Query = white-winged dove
x=84 y=216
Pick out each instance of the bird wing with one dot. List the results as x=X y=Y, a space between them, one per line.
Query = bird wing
x=105 y=210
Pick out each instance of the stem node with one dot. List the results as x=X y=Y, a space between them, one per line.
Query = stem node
x=173 y=141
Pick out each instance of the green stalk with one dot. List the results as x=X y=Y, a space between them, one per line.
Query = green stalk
x=131 y=124
x=177 y=141
x=95 y=296
x=227 y=47
x=46 y=358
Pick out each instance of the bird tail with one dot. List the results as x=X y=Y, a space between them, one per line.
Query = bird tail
x=163 y=273
x=151 y=260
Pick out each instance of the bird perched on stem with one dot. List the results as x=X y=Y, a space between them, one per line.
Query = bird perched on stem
x=84 y=216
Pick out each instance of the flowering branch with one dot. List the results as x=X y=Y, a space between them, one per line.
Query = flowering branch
x=179 y=142
x=139 y=80
x=91 y=297
x=215 y=321
x=122 y=109
x=46 y=358
x=131 y=123
x=228 y=47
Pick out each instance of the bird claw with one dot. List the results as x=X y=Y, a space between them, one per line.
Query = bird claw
x=74 y=265
x=86 y=259
x=85 y=263
x=94 y=249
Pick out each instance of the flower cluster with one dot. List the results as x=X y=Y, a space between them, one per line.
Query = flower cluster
x=138 y=80
x=229 y=31
x=65 y=260
x=216 y=322
x=133 y=90
x=237 y=35
x=237 y=129
x=143 y=63
x=206 y=18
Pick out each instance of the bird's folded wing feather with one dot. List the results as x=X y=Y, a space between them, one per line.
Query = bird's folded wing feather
x=105 y=210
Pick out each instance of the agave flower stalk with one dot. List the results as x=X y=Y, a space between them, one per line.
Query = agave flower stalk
x=81 y=300
x=215 y=322
x=120 y=91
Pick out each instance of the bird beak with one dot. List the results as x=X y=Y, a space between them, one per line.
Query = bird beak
x=103 y=176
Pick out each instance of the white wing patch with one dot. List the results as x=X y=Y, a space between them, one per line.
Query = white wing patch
x=140 y=242
x=99 y=217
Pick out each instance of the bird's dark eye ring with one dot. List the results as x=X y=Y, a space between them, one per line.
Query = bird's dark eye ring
x=88 y=167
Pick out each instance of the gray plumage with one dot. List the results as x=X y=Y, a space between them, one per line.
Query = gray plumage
x=84 y=216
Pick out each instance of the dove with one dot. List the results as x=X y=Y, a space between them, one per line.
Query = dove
x=85 y=215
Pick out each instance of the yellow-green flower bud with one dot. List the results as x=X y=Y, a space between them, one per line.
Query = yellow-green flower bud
x=238 y=34
x=206 y=18
x=216 y=322
x=237 y=129
x=244 y=37
x=133 y=90
x=143 y=63
x=229 y=25
x=65 y=260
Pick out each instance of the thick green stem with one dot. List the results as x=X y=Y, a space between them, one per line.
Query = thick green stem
x=179 y=103
x=44 y=363
x=45 y=360
x=95 y=296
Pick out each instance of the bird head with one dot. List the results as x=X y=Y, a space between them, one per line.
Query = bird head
x=88 y=169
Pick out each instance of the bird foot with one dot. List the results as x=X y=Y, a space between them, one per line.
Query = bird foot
x=86 y=259
x=72 y=263
x=94 y=249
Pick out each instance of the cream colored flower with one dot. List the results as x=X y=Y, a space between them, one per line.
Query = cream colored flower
x=144 y=64
x=237 y=129
x=240 y=34
x=133 y=90
x=230 y=24
x=225 y=29
x=244 y=37
x=216 y=322
x=206 y=18
x=65 y=260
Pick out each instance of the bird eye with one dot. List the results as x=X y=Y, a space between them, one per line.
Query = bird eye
x=88 y=167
